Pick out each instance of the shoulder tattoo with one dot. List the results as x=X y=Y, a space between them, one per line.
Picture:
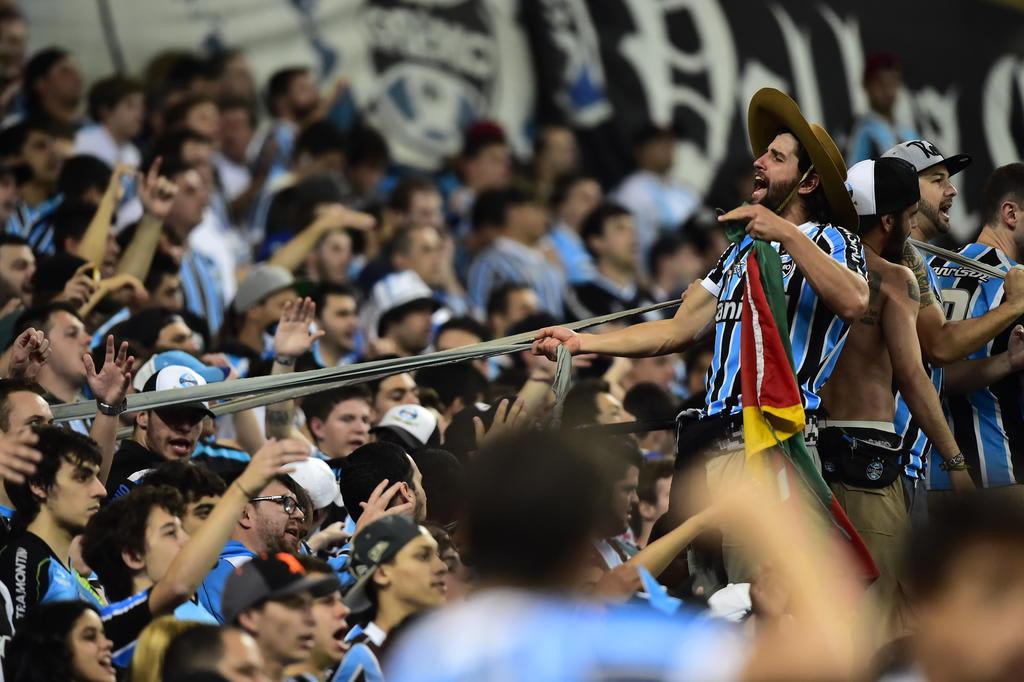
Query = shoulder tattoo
x=912 y=259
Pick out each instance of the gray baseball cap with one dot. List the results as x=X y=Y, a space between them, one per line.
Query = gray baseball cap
x=922 y=155
x=267 y=578
x=264 y=281
x=374 y=545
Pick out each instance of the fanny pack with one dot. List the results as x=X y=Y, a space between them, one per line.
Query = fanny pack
x=863 y=457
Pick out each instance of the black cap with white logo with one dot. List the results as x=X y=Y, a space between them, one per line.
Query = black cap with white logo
x=881 y=187
x=922 y=155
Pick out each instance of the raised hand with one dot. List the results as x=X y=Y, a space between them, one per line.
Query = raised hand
x=18 y=458
x=81 y=286
x=156 y=192
x=506 y=420
x=377 y=505
x=293 y=336
x=550 y=338
x=28 y=355
x=110 y=384
x=269 y=461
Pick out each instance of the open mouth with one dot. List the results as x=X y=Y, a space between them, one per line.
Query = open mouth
x=944 y=208
x=306 y=641
x=107 y=663
x=760 y=187
x=440 y=586
x=180 y=447
x=339 y=638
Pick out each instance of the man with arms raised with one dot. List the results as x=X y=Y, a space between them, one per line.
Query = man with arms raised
x=945 y=343
x=802 y=207
x=861 y=452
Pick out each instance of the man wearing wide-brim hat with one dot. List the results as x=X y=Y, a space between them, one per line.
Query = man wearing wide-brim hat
x=801 y=205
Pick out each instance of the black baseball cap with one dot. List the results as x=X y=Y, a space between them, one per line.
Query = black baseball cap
x=888 y=185
x=377 y=544
x=268 y=578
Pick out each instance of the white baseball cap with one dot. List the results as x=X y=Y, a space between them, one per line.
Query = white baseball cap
x=175 y=377
x=414 y=425
x=317 y=479
x=922 y=155
x=395 y=291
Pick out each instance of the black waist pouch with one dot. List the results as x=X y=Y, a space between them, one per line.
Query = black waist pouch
x=862 y=457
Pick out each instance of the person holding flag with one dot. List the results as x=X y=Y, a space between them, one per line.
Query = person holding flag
x=801 y=211
x=862 y=454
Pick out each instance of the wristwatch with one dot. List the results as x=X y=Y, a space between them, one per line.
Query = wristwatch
x=954 y=463
x=285 y=360
x=112 y=410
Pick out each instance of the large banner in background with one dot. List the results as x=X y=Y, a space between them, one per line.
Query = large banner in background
x=422 y=69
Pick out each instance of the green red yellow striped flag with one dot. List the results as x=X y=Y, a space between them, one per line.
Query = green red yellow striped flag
x=773 y=413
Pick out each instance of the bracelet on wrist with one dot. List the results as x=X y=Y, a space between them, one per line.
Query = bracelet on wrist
x=285 y=360
x=112 y=410
x=954 y=463
x=245 y=492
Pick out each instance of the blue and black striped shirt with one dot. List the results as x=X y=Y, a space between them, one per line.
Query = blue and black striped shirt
x=816 y=333
x=987 y=423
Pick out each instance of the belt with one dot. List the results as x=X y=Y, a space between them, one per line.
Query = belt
x=887 y=427
x=731 y=436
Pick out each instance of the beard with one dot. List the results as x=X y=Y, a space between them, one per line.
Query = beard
x=931 y=214
x=893 y=249
x=777 y=193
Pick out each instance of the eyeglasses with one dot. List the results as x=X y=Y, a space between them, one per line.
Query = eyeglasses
x=289 y=504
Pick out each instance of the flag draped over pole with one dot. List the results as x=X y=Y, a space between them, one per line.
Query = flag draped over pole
x=773 y=413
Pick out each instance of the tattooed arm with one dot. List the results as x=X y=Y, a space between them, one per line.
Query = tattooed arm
x=944 y=341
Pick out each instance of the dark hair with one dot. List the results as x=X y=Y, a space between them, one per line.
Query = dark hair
x=650 y=474
x=400 y=198
x=185 y=69
x=14 y=137
x=38 y=316
x=37 y=68
x=593 y=224
x=327 y=289
x=815 y=203
x=81 y=173
x=193 y=481
x=366 y=146
x=57 y=445
x=580 y=407
x=319 y=405
x=71 y=220
x=398 y=314
x=461 y=380
x=373 y=385
x=279 y=84
x=318 y=138
x=107 y=93
x=402 y=241
x=366 y=467
x=665 y=246
x=961 y=524
x=648 y=402
x=621 y=454
x=490 y=209
x=161 y=266
x=465 y=324
x=121 y=527
x=497 y=302
x=174 y=117
x=232 y=103
x=8 y=239
x=171 y=146
x=196 y=650
x=531 y=508
x=564 y=185
x=144 y=327
x=1005 y=182
x=651 y=132
x=40 y=650
x=9 y=386
x=444 y=483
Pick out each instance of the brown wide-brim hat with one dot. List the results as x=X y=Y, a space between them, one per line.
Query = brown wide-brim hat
x=772 y=112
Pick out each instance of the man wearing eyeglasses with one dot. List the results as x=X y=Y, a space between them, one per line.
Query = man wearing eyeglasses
x=270 y=523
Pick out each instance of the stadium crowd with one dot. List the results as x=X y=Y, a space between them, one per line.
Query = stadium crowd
x=193 y=226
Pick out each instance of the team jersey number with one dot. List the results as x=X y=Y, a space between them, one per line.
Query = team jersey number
x=957 y=302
